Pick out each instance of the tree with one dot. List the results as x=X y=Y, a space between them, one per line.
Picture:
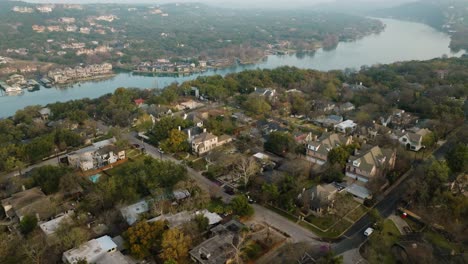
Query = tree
x=48 y=177
x=330 y=91
x=28 y=224
x=69 y=236
x=280 y=143
x=457 y=158
x=333 y=174
x=176 y=142
x=202 y=222
x=257 y=105
x=175 y=246
x=246 y=168
x=270 y=192
x=144 y=238
x=241 y=207
x=13 y=163
x=338 y=155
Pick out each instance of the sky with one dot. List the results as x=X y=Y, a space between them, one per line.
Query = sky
x=235 y=3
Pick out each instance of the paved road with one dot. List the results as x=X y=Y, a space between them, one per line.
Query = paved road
x=354 y=237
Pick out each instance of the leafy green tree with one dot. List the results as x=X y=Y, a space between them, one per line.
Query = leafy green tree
x=339 y=156
x=48 y=177
x=241 y=207
x=270 y=192
x=280 y=143
x=28 y=224
x=166 y=124
x=202 y=222
x=330 y=91
x=257 y=105
x=176 y=142
x=457 y=158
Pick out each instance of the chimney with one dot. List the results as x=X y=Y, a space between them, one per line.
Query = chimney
x=360 y=83
x=179 y=128
x=189 y=134
x=23 y=187
x=204 y=130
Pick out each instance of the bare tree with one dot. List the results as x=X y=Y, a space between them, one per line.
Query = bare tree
x=246 y=168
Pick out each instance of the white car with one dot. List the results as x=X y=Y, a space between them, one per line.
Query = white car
x=368 y=231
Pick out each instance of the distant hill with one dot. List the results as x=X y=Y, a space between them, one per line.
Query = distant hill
x=425 y=12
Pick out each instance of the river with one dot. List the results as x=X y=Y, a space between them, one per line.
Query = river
x=400 y=41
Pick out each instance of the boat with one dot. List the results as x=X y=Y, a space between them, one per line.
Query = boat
x=32 y=85
x=46 y=82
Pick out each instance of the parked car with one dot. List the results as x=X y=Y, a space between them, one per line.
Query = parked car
x=368 y=231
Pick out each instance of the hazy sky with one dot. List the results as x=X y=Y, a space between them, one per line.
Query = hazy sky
x=243 y=3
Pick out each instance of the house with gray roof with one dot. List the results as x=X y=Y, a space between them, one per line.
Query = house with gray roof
x=318 y=149
x=365 y=165
x=413 y=140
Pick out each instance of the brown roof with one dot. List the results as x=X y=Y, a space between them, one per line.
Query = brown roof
x=31 y=201
x=374 y=157
x=328 y=141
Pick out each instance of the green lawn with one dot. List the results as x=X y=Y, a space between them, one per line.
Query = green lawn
x=334 y=232
x=199 y=165
x=321 y=222
x=377 y=249
x=440 y=241
x=357 y=213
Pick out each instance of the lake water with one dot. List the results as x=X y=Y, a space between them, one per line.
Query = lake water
x=400 y=41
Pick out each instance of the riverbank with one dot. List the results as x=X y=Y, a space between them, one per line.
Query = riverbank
x=400 y=41
x=101 y=77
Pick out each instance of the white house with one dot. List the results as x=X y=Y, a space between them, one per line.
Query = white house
x=346 y=125
x=50 y=227
x=413 y=141
x=131 y=213
x=101 y=250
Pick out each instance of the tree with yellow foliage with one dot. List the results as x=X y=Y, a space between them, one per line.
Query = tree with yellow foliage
x=144 y=239
x=175 y=246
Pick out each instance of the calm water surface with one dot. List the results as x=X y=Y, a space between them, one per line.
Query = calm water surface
x=401 y=41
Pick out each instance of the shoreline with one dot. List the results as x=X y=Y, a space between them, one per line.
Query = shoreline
x=91 y=78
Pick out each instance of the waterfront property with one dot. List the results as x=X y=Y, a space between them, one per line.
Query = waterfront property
x=65 y=75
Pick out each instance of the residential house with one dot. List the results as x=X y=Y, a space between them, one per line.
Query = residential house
x=219 y=249
x=322 y=197
x=45 y=113
x=132 y=212
x=328 y=121
x=268 y=93
x=38 y=28
x=368 y=164
x=346 y=126
x=45 y=9
x=302 y=137
x=323 y=106
x=206 y=141
x=318 y=149
x=50 y=227
x=196 y=118
x=102 y=250
x=346 y=107
x=180 y=218
x=28 y=202
x=355 y=87
x=413 y=140
x=139 y=101
x=97 y=155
